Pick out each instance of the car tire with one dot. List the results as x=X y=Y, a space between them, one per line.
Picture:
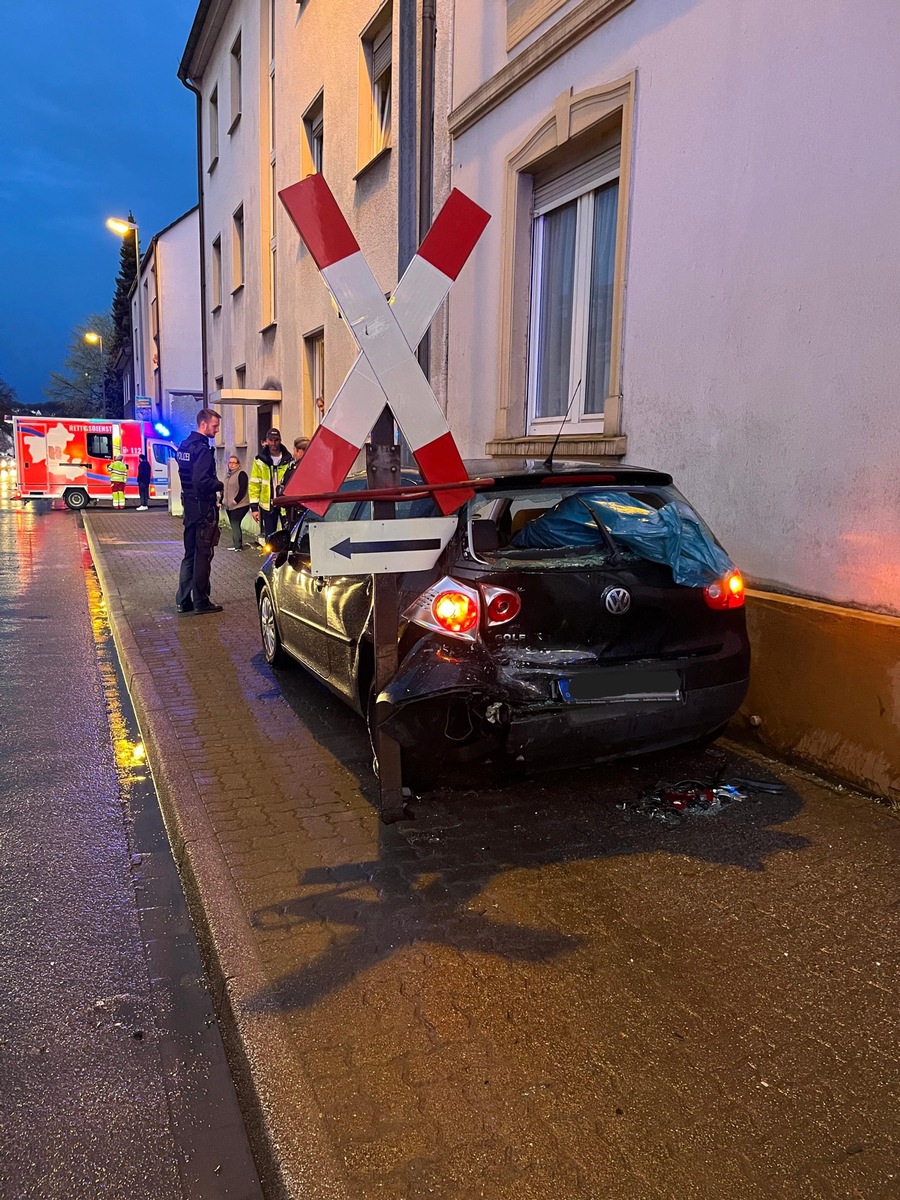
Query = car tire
x=273 y=649
x=76 y=499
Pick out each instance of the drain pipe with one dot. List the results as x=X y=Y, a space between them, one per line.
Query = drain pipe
x=191 y=86
x=426 y=149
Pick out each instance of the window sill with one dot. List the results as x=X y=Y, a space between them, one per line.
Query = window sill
x=212 y=165
x=216 y=308
x=270 y=328
x=575 y=445
x=371 y=163
x=236 y=290
x=236 y=120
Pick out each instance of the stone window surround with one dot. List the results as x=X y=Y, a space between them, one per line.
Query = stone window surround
x=572 y=115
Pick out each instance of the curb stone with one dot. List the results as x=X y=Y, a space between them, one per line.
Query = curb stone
x=290 y=1144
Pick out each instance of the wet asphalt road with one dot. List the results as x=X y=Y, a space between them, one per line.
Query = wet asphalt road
x=113 y=1081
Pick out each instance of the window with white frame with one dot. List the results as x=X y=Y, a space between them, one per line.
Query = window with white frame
x=314 y=372
x=313 y=140
x=236 y=83
x=213 y=128
x=573 y=260
x=237 y=249
x=375 y=89
x=217 y=273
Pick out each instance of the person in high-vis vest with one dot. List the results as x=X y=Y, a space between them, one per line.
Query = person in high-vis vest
x=267 y=472
x=118 y=474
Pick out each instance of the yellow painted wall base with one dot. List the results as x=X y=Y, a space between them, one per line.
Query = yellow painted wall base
x=825 y=685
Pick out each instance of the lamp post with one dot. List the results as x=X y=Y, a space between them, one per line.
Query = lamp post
x=123 y=228
x=96 y=339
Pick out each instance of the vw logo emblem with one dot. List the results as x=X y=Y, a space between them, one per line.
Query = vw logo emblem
x=617 y=600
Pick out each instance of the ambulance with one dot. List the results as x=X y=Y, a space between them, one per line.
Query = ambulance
x=60 y=458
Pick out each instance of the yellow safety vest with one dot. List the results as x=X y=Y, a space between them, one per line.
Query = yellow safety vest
x=118 y=471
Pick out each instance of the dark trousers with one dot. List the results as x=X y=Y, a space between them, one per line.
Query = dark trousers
x=144 y=491
x=268 y=521
x=201 y=528
x=235 y=516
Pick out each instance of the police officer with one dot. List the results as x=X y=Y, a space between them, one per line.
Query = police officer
x=199 y=494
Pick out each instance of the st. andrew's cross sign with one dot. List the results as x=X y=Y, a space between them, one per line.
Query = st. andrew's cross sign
x=387 y=333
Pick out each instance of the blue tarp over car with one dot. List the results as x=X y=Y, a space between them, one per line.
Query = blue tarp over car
x=672 y=534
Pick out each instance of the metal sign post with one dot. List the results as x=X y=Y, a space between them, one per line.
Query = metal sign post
x=382 y=471
x=385 y=382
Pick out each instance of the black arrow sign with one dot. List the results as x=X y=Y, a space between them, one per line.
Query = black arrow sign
x=348 y=548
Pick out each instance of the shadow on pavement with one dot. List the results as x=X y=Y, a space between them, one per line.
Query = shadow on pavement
x=424 y=886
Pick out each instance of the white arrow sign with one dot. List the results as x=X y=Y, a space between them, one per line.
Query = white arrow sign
x=377 y=547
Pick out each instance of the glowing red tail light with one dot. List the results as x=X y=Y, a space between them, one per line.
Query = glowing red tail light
x=455 y=611
x=727 y=592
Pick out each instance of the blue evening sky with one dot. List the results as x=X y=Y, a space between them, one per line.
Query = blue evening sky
x=93 y=122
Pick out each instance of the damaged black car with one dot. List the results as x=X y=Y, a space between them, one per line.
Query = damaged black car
x=580 y=613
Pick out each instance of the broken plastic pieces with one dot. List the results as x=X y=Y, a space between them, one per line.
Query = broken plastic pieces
x=670 y=802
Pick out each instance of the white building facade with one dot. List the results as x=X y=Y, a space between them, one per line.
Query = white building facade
x=693 y=264
x=287 y=90
x=166 y=319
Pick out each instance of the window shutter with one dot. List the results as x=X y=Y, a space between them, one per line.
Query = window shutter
x=550 y=193
x=381 y=54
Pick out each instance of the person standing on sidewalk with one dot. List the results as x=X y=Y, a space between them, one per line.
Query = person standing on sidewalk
x=199 y=493
x=234 y=500
x=143 y=480
x=266 y=474
x=118 y=474
x=290 y=515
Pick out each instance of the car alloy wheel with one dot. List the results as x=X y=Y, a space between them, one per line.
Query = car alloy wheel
x=268 y=627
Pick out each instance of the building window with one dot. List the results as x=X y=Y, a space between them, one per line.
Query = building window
x=573 y=255
x=312 y=142
x=217 y=273
x=314 y=374
x=375 y=86
x=560 y=318
x=213 y=128
x=237 y=250
x=240 y=378
x=235 y=83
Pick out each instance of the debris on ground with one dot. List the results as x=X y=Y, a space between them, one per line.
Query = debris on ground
x=671 y=802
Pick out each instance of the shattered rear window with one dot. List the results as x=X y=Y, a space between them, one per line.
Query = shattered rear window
x=547 y=527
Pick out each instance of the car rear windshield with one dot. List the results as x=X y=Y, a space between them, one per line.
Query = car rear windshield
x=574 y=526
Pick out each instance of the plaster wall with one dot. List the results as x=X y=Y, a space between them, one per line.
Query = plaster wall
x=316 y=50
x=178 y=284
x=762 y=269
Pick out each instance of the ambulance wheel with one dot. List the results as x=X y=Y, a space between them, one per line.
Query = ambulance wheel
x=76 y=499
x=276 y=656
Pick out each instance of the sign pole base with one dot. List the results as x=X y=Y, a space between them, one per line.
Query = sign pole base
x=383 y=470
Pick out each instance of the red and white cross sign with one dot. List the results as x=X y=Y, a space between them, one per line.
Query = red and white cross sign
x=387 y=333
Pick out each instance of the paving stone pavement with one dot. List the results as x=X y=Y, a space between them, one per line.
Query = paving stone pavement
x=523 y=991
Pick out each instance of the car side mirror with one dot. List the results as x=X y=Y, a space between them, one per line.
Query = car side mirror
x=278 y=542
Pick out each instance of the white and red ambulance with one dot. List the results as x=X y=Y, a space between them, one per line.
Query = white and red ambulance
x=67 y=459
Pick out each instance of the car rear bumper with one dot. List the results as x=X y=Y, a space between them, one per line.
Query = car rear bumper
x=462 y=708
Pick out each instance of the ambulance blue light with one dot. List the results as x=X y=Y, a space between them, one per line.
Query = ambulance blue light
x=161 y=429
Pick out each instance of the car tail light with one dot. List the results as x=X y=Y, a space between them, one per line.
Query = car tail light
x=727 y=592
x=448 y=607
x=455 y=612
x=501 y=605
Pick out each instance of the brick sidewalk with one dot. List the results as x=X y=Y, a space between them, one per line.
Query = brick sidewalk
x=523 y=992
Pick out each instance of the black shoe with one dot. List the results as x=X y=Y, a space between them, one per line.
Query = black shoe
x=208 y=608
x=184 y=608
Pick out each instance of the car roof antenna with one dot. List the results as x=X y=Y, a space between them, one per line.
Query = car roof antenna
x=548 y=461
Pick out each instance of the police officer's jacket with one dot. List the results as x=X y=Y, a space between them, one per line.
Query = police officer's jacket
x=197 y=471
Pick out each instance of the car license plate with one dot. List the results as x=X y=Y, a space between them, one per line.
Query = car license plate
x=623 y=684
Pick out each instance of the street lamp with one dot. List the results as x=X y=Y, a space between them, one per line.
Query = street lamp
x=95 y=339
x=123 y=228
